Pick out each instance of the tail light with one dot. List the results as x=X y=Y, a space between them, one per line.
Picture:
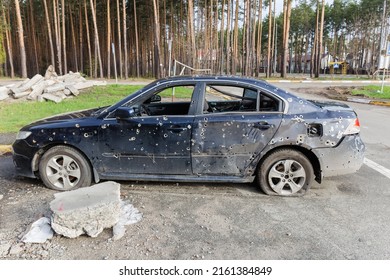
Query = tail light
x=353 y=128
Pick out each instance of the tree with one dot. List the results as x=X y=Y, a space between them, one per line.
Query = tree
x=97 y=44
x=22 y=47
x=286 y=33
x=49 y=33
x=157 y=72
x=125 y=38
x=108 y=40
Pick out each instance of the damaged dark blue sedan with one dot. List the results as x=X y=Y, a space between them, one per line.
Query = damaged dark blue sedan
x=221 y=129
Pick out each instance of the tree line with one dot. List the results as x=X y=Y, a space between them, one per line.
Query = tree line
x=140 y=38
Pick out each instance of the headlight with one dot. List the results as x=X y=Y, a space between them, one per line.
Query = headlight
x=23 y=135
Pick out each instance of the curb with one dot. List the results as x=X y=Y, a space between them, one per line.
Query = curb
x=328 y=81
x=369 y=101
x=5 y=150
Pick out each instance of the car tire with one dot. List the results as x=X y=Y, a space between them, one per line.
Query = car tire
x=285 y=172
x=63 y=168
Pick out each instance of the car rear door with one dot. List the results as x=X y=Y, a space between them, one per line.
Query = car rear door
x=233 y=128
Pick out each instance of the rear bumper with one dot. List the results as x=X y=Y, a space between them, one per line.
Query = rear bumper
x=345 y=158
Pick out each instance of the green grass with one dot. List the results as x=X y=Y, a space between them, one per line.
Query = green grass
x=15 y=115
x=373 y=91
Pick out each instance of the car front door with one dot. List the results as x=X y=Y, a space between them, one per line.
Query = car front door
x=148 y=144
x=232 y=130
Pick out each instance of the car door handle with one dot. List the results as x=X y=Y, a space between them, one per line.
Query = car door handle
x=177 y=129
x=263 y=125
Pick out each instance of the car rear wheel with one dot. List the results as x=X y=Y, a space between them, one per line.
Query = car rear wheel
x=285 y=172
x=63 y=168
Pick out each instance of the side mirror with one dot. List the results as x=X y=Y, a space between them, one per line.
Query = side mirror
x=124 y=113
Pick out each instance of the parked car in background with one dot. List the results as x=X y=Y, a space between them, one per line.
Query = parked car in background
x=221 y=129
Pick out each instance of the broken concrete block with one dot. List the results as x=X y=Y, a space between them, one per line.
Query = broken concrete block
x=21 y=94
x=40 y=98
x=4 y=248
x=52 y=97
x=54 y=88
x=84 y=85
x=50 y=73
x=38 y=89
x=27 y=84
x=129 y=215
x=39 y=231
x=67 y=92
x=86 y=210
x=4 y=93
x=72 y=89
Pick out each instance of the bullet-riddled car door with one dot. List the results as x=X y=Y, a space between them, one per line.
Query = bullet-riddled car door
x=236 y=124
x=155 y=141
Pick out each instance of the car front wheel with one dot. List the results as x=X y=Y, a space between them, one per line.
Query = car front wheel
x=64 y=168
x=285 y=172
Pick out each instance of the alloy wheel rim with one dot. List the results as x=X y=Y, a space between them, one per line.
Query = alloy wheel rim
x=63 y=172
x=287 y=177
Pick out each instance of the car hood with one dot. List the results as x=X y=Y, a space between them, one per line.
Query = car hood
x=65 y=117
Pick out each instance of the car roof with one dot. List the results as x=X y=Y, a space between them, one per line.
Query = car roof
x=248 y=80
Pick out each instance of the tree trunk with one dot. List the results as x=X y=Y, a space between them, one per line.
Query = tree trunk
x=108 y=40
x=269 y=38
x=9 y=45
x=88 y=39
x=23 y=62
x=58 y=37
x=73 y=39
x=192 y=32
x=81 y=54
x=228 y=41
x=33 y=35
x=125 y=38
x=96 y=38
x=259 y=38
x=286 y=32
x=136 y=39
x=235 y=39
x=222 y=40
x=53 y=62
x=64 y=36
x=319 y=53
x=119 y=38
x=157 y=60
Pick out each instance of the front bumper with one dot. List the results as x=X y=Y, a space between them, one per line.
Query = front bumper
x=345 y=158
x=23 y=157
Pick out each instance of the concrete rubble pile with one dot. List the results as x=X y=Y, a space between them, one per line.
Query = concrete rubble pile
x=86 y=211
x=49 y=87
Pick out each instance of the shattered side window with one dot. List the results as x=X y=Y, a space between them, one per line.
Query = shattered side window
x=226 y=98
x=268 y=103
x=174 y=100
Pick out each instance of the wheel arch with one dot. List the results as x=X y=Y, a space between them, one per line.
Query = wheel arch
x=38 y=155
x=307 y=152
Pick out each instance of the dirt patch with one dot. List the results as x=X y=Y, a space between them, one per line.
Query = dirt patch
x=332 y=92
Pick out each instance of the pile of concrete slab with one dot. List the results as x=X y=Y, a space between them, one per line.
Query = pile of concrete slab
x=49 y=87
